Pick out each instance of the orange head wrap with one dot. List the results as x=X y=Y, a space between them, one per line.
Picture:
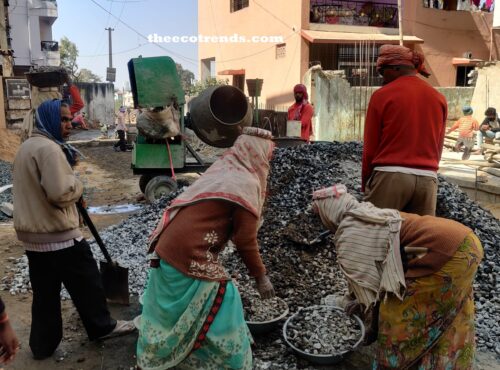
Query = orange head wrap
x=396 y=55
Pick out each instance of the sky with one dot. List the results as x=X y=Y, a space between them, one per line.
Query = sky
x=84 y=23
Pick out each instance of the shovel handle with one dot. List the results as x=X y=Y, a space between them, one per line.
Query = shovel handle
x=93 y=230
x=321 y=236
x=324 y=234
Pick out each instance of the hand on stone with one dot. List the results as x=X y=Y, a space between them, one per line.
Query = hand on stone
x=265 y=287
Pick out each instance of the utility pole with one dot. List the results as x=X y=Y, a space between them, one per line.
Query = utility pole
x=5 y=50
x=110 y=72
x=110 y=46
x=400 y=20
x=6 y=56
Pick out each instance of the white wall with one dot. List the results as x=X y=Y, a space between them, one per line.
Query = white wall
x=28 y=20
x=99 y=101
x=496 y=16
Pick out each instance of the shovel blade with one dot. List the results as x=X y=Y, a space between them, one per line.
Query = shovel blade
x=115 y=281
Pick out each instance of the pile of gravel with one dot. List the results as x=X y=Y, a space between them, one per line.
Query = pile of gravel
x=303 y=275
x=455 y=204
x=5 y=179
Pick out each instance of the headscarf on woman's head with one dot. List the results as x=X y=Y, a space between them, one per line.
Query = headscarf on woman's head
x=367 y=243
x=397 y=55
x=332 y=213
x=48 y=119
x=239 y=176
x=300 y=88
x=48 y=123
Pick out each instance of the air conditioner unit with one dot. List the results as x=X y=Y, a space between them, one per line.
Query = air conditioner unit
x=468 y=55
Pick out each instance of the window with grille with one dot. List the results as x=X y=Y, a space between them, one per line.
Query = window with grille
x=238 y=5
x=280 y=51
x=359 y=64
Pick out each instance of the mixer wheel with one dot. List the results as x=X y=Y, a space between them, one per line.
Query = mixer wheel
x=143 y=181
x=158 y=187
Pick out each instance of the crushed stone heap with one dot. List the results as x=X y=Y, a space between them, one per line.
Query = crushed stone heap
x=303 y=275
x=5 y=179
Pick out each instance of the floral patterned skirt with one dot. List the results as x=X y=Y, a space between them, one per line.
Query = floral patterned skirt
x=433 y=327
x=174 y=312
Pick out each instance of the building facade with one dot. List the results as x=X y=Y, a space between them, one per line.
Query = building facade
x=31 y=34
x=339 y=35
x=25 y=41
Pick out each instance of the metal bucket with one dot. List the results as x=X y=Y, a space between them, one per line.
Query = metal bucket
x=287 y=142
x=218 y=114
x=333 y=358
x=264 y=327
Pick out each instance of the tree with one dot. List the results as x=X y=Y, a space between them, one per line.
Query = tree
x=186 y=77
x=199 y=86
x=69 y=53
x=86 y=75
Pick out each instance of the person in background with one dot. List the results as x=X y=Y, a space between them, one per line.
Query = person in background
x=466 y=126
x=192 y=315
x=71 y=96
x=46 y=221
x=9 y=344
x=104 y=130
x=79 y=121
x=404 y=135
x=302 y=111
x=417 y=270
x=490 y=127
x=121 y=128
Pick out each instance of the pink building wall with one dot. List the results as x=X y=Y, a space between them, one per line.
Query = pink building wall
x=279 y=17
x=446 y=35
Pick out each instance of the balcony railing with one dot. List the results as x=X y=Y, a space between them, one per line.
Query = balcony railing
x=50 y=46
x=42 y=4
x=354 y=13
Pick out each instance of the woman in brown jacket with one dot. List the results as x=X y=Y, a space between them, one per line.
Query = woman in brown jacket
x=193 y=316
x=418 y=270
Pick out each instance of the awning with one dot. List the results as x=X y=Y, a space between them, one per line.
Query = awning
x=232 y=72
x=466 y=62
x=327 y=37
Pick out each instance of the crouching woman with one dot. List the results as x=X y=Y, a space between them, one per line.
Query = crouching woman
x=417 y=271
x=193 y=316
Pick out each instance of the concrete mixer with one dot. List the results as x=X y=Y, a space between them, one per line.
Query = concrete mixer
x=216 y=116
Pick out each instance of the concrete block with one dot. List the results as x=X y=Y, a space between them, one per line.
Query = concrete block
x=13 y=115
x=7 y=209
x=19 y=104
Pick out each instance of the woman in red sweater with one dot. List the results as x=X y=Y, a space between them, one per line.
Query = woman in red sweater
x=192 y=315
x=415 y=272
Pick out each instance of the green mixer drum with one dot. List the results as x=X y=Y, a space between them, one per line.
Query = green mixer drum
x=155 y=82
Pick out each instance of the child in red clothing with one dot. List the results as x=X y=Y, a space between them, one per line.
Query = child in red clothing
x=466 y=126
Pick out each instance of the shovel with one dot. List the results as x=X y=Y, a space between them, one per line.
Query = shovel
x=114 y=277
x=320 y=237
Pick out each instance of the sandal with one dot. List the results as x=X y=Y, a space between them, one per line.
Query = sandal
x=122 y=328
